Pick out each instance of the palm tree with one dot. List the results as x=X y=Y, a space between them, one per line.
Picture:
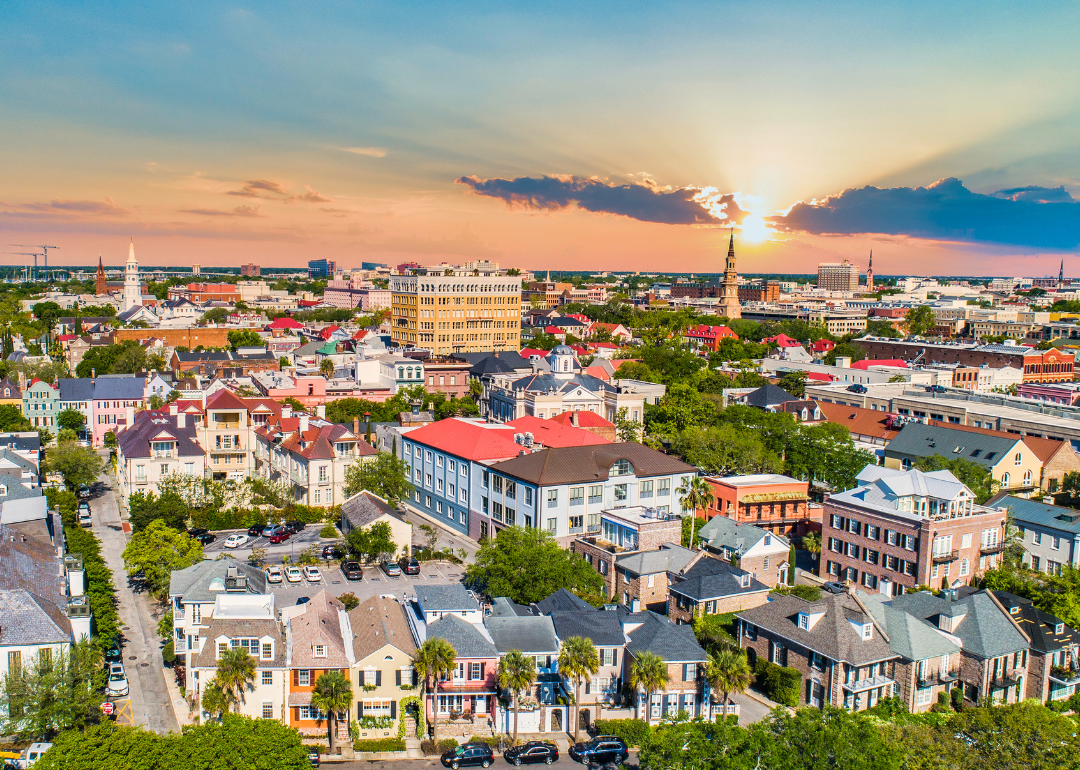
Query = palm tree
x=517 y=672
x=695 y=494
x=326 y=368
x=578 y=661
x=213 y=700
x=235 y=674
x=728 y=671
x=332 y=695
x=433 y=660
x=812 y=543
x=650 y=673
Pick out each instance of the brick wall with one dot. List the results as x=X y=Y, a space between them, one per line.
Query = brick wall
x=1063 y=461
x=191 y=336
x=595 y=554
x=1037 y=683
x=654 y=597
x=724 y=605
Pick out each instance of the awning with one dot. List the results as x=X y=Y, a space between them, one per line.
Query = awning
x=300 y=699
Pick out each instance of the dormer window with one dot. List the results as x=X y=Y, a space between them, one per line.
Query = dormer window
x=804 y=621
x=1059 y=628
x=744 y=581
x=868 y=631
x=1014 y=610
x=320 y=651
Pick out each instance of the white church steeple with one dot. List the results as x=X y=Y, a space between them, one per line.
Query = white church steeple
x=132 y=287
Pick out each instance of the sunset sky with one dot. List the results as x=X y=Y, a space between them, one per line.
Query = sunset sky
x=618 y=136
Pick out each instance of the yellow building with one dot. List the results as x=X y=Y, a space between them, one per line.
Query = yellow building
x=10 y=394
x=456 y=311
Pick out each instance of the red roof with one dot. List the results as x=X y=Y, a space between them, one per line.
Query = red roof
x=598 y=372
x=585 y=420
x=309 y=302
x=285 y=323
x=557 y=433
x=783 y=341
x=820 y=376
x=526 y=352
x=553 y=330
x=324 y=334
x=579 y=350
x=710 y=332
x=607 y=345
x=361 y=334
x=66 y=337
x=188 y=406
x=579 y=317
x=467 y=439
x=868 y=362
x=823 y=346
x=225 y=399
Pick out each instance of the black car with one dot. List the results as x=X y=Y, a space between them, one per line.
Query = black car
x=197 y=531
x=600 y=750
x=935 y=389
x=410 y=566
x=857 y=388
x=295 y=526
x=113 y=652
x=255 y=530
x=833 y=587
x=332 y=552
x=205 y=537
x=303 y=600
x=531 y=753
x=469 y=755
x=352 y=570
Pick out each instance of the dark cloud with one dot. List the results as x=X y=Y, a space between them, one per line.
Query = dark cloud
x=258 y=188
x=645 y=201
x=1037 y=217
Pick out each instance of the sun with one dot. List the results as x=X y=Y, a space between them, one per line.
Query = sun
x=754 y=229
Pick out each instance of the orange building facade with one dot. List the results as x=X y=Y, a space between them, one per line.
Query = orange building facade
x=778 y=504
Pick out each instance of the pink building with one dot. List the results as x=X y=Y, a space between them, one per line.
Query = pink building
x=309 y=391
x=116 y=399
x=349 y=293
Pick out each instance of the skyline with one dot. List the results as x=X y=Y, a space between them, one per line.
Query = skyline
x=607 y=137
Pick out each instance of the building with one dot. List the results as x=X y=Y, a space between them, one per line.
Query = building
x=838 y=276
x=1051 y=365
x=729 y=306
x=1050 y=534
x=366 y=508
x=757 y=551
x=708 y=337
x=447 y=374
x=456 y=313
x=41 y=404
x=11 y=395
x=685 y=689
x=320 y=268
x=564 y=489
x=900 y=529
x=225 y=363
x=605 y=630
x=713 y=587
x=382 y=666
x=156 y=445
x=759 y=291
x=315 y=635
x=835 y=643
x=472 y=687
x=771 y=501
x=252 y=270
x=132 y=287
x=1053 y=666
x=870 y=273
x=115 y=402
x=1010 y=461
x=201 y=293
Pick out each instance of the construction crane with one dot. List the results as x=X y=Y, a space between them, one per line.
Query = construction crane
x=34 y=254
x=44 y=251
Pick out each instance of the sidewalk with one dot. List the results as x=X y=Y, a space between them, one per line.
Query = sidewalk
x=179 y=702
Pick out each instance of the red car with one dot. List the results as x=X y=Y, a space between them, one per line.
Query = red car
x=280 y=537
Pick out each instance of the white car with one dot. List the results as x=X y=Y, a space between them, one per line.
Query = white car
x=293 y=574
x=118 y=681
x=273 y=574
x=235 y=541
x=312 y=574
x=31 y=754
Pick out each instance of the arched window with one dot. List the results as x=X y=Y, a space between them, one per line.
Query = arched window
x=1027 y=478
x=401 y=372
x=1005 y=479
x=1019 y=459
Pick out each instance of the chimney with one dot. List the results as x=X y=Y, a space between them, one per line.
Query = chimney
x=320 y=411
x=573 y=418
x=356 y=426
x=286 y=411
x=305 y=422
x=181 y=420
x=173 y=409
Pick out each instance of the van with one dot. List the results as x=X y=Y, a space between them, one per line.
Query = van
x=32 y=754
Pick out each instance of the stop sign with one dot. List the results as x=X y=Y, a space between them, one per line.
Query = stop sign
x=107 y=708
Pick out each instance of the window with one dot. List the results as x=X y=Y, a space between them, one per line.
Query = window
x=497 y=484
x=892 y=537
x=551 y=525
x=303 y=678
x=645 y=489
x=451 y=466
x=1004 y=479
x=596 y=493
x=322 y=473
x=663 y=487
x=528 y=496
x=475 y=671
x=620 y=492
x=853 y=526
x=1036 y=537
x=909 y=542
x=267 y=709
x=222 y=648
x=552 y=498
x=621 y=468
x=1018 y=459
x=871 y=532
x=438 y=461
x=577 y=495
x=267 y=650
x=267 y=677
x=484 y=479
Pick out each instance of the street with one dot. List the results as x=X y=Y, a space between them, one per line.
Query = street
x=412 y=764
x=148 y=703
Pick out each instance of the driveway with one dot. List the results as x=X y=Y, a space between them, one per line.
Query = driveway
x=148 y=703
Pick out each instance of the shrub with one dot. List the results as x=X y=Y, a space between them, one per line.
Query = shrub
x=428 y=747
x=634 y=731
x=810 y=593
x=328 y=531
x=956 y=697
x=779 y=683
x=168 y=653
x=445 y=745
x=380 y=744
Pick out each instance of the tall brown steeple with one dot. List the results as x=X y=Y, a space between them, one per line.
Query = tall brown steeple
x=102 y=287
x=729 y=290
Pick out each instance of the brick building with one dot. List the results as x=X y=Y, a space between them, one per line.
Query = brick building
x=250 y=269
x=777 y=503
x=1051 y=365
x=189 y=336
x=221 y=363
x=201 y=293
x=1053 y=665
x=900 y=529
x=713 y=587
x=758 y=551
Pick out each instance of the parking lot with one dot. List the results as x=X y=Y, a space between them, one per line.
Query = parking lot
x=292 y=547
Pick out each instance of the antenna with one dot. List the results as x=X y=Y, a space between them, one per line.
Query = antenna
x=44 y=251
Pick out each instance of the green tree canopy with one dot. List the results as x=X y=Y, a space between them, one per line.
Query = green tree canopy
x=71 y=419
x=77 y=464
x=169 y=508
x=920 y=320
x=527 y=565
x=12 y=419
x=156 y=551
x=385 y=475
x=244 y=338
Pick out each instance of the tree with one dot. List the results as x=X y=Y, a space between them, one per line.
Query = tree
x=48 y=313
x=235 y=675
x=155 y=401
x=845 y=349
x=77 y=464
x=972 y=475
x=726 y=450
x=71 y=419
x=372 y=542
x=245 y=338
x=12 y=419
x=517 y=673
x=578 y=662
x=794 y=383
x=170 y=508
x=920 y=320
x=54 y=692
x=813 y=738
x=695 y=494
x=812 y=542
x=432 y=661
x=625 y=428
x=326 y=368
x=727 y=671
x=527 y=565
x=791 y=565
x=385 y=475
x=1020 y=735
x=635 y=370
x=158 y=550
x=648 y=673
x=332 y=696
x=349 y=601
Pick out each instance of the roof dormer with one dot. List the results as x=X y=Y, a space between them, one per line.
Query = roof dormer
x=865 y=629
x=809 y=618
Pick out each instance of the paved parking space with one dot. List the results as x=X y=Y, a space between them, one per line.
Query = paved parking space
x=375 y=582
x=293 y=547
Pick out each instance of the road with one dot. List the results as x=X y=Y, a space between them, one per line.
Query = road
x=148 y=703
x=565 y=763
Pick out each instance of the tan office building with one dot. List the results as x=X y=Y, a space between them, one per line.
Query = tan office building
x=464 y=312
x=838 y=276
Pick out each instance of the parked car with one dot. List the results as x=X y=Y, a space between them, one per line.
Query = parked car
x=114 y=651
x=196 y=531
x=601 y=749
x=235 y=541
x=83 y=493
x=279 y=537
x=332 y=551
x=273 y=574
x=117 y=684
x=272 y=529
x=410 y=566
x=255 y=530
x=391 y=569
x=935 y=388
x=857 y=388
x=84 y=515
x=31 y=754
x=833 y=587
x=303 y=600
x=532 y=752
x=294 y=526
x=312 y=574
x=205 y=537
x=293 y=574
x=469 y=755
x=313 y=757
x=352 y=570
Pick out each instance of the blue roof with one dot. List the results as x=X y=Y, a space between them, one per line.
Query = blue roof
x=76 y=390
x=120 y=388
x=1041 y=514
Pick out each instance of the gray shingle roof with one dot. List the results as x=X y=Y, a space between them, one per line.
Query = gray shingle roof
x=445 y=598
x=768 y=395
x=919 y=440
x=1040 y=514
x=193 y=583
x=76 y=390
x=465 y=638
x=985 y=630
x=715 y=579
x=503 y=607
x=1039 y=625
x=667 y=558
x=910 y=637
x=603 y=627
x=363 y=508
x=658 y=635
x=563 y=601
x=26 y=563
x=30 y=619
x=721 y=531
x=119 y=388
x=530 y=634
x=240 y=627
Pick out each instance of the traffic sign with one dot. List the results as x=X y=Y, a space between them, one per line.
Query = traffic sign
x=107 y=708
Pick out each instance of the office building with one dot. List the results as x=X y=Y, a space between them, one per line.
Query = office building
x=252 y=270
x=838 y=276
x=320 y=268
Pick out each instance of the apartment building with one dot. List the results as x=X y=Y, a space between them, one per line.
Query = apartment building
x=1050 y=534
x=1054 y=649
x=838 y=276
x=464 y=311
x=115 y=402
x=900 y=529
x=41 y=404
x=157 y=444
x=774 y=502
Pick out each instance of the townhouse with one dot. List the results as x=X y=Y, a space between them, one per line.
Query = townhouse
x=757 y=551
x=78 y=394
x=1053 y=666
x=712 y=587
x=605 y=630
x=225 y=433
x=902 y=529
x=686 y=689
x=708 y=337
x=156 y=445
x=115 y=402
x=564 y=489
x=316 y=634
x=11 y=394
x=382 y=669
x=777 y=503
x=470 y=691
x=535 y=637
x=41 y=404
x=1050 y=534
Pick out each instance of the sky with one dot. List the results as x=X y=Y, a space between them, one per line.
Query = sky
x=557 y=135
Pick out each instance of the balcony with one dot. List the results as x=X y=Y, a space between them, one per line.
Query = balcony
x=576 y=530
x=1065 y=675
x=992 y=548
x=937 y=677
x=1005 y=679
x=941 y=558
x=867 y=684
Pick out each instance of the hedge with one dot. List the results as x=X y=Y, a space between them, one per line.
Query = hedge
x=215 y=519
x=779 y=683
x=634 y=732
x=379 y=744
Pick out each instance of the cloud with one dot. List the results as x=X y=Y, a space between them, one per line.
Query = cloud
x=646 y=201
x=371 y=152
x=308 y=197
x=239 y=211
x=1036 y=217
x=258 y=188
x=108 y=207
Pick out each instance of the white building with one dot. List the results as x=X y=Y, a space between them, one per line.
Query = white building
x=132 y=288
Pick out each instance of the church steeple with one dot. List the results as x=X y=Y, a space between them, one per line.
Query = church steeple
x=1061 y=275
x=101 y=287
x=870 y=273
x=729 y=288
